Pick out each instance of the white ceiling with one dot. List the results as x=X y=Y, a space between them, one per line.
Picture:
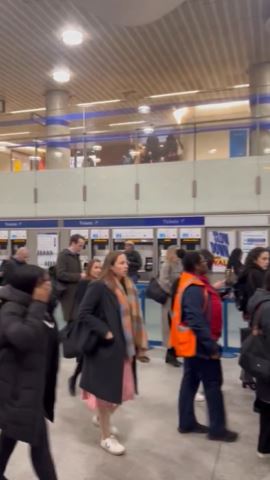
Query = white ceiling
x=201 y=44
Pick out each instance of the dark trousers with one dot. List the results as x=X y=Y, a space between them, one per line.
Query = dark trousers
x=264 y=435
x=40 y=454
x=209 y=372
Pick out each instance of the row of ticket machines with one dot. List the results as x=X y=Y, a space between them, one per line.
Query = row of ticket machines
x=151 y=243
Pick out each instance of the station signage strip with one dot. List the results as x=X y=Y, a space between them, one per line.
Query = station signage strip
x=105 y=222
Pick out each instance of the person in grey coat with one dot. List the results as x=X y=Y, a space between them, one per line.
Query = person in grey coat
x=169 y=273
x=68 y=274
x=259 y=311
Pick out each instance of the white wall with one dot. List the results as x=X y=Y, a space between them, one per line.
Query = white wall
x=226 y=186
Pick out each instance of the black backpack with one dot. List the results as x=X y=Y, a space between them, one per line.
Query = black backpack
x=241 y=294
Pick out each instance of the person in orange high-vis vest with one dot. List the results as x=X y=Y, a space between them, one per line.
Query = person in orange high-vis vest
x=193 y=338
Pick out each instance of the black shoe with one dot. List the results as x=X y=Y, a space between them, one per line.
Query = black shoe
x=72 y=386
x=227 y=436
x=171 y=359
x=198 y=428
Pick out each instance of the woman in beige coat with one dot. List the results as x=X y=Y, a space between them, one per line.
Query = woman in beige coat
x=169 y=273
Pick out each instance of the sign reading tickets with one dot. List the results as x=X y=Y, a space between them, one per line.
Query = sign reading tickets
x=221 y=243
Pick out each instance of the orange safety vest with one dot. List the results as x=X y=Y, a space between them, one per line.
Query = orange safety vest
x=182 y=338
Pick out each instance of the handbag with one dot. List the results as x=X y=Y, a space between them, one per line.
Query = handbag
x=255 y=356
x=155 y=292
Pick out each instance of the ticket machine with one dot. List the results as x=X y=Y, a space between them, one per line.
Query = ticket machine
x=143 y=239
x=166 y=238
x=100 y=243
x=190 y=239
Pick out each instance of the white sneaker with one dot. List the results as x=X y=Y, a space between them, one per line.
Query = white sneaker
x=111 y=445
x=263 y=455
x=113 y=429
x=199 y=397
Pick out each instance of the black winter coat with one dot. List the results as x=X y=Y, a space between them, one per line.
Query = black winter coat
x=103 y=366
x=260 y=302
x=28 y=365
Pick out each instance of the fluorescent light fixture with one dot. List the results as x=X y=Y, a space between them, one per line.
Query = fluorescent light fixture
x=217 y=106
x=72 y=37
x=29 y=110
x=242 y=85
x=175 y=94
x=34 y=158
x=13 y=134
x=148 y=130
x=144 y=109
x=122 y=124
x=61 y=75
x=100 y=102
x=76 y=128
x=212 y=151
x=97 y=148
x=179 y=114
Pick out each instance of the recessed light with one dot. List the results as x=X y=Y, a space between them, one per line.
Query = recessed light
x=72 y=37
x=242 y=85
x=100 y=102
x=209 y=106
x=139 y=122
x=175 y=94
x=13 y=134
x=61 y=75
x=29 y=110
x=144 y=109
x=148 y=130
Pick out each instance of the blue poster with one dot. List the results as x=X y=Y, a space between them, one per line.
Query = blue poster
x=238 y=143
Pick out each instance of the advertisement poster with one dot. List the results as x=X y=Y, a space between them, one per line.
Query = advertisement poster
x=47 y=249
x=221 y=243
x=253 y=238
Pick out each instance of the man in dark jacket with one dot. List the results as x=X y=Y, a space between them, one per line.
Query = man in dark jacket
x=20 y=258
x=197 y=311
x=69 y=273
x=134 y=261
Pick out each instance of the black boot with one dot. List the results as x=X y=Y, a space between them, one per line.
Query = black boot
x=171 y=358
x=72 y=385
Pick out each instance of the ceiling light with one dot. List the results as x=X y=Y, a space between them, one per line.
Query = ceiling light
x=174 y=94
x=76 y=128
x=100 y=102
x=139 y=122
x=29 y=110
x=61 y=75
x=35 y=158
x=179 y=114
x=210 y=106
x=267 y=150
x=241 y=85
x=58 y=154
x=13 y=134
x=144 y=109
x=148 y=130
x=97 y=148
x=72 y=37
x=212 y=151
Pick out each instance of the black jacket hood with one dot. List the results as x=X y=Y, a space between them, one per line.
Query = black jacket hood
x=260 y=296
x=11 y=294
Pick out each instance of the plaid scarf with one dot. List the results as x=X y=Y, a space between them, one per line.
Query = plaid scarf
x=131 y=315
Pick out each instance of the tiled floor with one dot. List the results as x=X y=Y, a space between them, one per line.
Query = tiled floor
x=155 y=450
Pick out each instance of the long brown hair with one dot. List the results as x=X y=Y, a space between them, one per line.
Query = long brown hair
x=107 y=274
x=90 y=266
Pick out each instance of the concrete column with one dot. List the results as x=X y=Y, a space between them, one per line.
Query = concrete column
x=58 y=147
x=260 y=109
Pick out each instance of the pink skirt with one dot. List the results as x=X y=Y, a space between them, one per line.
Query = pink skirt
x=93 y=402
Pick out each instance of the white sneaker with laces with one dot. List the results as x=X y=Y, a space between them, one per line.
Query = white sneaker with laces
x=113 y=429
x=199 y=397
x=263 y=455
x=111 y=445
